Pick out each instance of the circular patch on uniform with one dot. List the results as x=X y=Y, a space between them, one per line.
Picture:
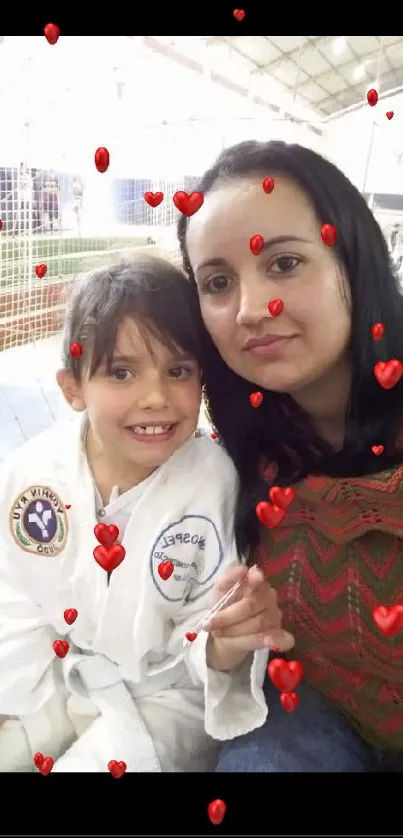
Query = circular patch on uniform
x=38 y=521
x=193 y=545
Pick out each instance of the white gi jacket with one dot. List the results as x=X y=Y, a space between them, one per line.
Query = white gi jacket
x=130 y=688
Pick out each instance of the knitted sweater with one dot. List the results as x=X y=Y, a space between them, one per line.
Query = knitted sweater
x=337 y=555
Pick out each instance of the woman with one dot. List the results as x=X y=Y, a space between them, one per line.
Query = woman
x=325 y=427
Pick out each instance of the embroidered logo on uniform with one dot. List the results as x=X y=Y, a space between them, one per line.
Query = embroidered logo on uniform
x=38 y=522
x=193 y=545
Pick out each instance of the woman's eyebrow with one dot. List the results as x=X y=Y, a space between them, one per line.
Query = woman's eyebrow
x=218 y=263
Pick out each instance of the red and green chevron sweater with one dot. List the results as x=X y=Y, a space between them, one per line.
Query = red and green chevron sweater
x=336 y=556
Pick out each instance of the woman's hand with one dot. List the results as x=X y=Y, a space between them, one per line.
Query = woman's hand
x=251 y=621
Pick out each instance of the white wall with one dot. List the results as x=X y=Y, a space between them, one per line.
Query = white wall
x=349 y=146
x=61 y=104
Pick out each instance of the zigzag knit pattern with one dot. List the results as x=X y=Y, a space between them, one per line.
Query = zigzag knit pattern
x=336 y=556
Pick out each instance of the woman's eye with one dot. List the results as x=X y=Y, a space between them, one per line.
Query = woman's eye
x=285 y=264
x=216 y=284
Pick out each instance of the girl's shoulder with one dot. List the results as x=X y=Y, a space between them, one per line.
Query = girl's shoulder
x=207 y=457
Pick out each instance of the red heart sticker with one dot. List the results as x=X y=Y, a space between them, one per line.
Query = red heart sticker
x=239 y=14
x=282 y=497
x=40 y=271
x=68 y=506
x=216 y=811
x=269 y=515
x=256 y=243
x=166 y=569
x=70 y=615
x=256 y=398
x=102 y=159
x=117 y=769
x=390 y=114
x=213 y=436
x=51 y=32
x=285 y=675
x=289 y=701
x=191 y=636
x=275 y=307
x=388 y=373
x=268 y=185
x=106 y=534
x=154 y=199
x=76 y=350
x=328 y=234
x=378 y=331
x=46 y=766
x=188 y=204
x=377 y=450
x=61 y=647
x=372 y=97
x=109 y=559
x=389 y=620
x=38 y=759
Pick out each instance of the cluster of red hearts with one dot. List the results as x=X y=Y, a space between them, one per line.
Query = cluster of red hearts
x=271 y=514
x=165 y=570
x=328 y=232
x=61 y=647
x=185 y=203
x=45 y=765
x=216 y=809
x=372 y=99
x=108 y=554
x=286 y=676
x=189 y=204
x=387 y=373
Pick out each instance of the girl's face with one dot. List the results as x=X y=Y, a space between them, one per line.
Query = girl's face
x=310 y=338
x=142 y=409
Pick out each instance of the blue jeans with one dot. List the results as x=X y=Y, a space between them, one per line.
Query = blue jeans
x=314 y=737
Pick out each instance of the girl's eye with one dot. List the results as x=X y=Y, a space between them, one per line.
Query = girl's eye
x=286 y=264
x=120 y=374
x=181 y=372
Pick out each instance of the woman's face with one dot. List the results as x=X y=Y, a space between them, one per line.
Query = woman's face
x=294 y=266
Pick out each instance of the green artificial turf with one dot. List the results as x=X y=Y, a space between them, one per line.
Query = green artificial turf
x=63 y=256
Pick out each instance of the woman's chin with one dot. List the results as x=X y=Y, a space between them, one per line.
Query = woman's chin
x=281 y=383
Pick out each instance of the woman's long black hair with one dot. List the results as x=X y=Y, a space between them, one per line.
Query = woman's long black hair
x=279 y=432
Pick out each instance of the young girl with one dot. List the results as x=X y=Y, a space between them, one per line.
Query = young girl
x=115 y=526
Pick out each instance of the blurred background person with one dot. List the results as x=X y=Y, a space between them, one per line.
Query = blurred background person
x=77 y=189
x=24 y=199
x=50 y=197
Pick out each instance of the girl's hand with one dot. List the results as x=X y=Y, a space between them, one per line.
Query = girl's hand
x=251 y=621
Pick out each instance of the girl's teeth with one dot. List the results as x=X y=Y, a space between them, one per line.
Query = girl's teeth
x=151 y=431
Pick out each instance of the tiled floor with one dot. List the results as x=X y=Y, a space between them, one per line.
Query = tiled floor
x=30 y=400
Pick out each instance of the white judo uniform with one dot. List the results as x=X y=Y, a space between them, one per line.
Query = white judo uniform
x=131 y=687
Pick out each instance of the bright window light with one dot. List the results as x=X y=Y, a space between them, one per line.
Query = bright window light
x=359 y=72
x=339 y=46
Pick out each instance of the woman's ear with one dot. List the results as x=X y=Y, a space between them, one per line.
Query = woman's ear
x=71 y=390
